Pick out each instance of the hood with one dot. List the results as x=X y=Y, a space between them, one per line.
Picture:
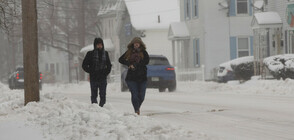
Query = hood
x=137 y=40
x=96 y=41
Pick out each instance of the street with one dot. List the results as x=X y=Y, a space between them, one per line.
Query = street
x=220 y=113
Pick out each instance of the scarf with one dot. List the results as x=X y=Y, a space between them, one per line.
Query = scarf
x=135 y=57
x=99 y=59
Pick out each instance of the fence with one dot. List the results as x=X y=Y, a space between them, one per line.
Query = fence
x=190 y=74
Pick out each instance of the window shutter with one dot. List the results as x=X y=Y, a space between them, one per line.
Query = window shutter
x=250 y=7
x=232 y=7
x=198 y=51
x=185 y=9
x=233 y=47
x=251 y=45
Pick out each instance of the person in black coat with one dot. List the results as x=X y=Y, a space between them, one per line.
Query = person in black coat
x=136 y=58
x=97 y=64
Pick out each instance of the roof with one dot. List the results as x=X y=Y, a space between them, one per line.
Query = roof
x=266 y=20
x=146 y=14
x=109 y=8
x=108 y=46
x=178 y=30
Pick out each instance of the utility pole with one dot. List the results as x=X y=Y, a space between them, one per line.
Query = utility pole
x=30 y=50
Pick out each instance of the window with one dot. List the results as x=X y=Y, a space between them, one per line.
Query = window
x=242 y=6
x=52 y=68
x=158 y=61
x=57 y=68
x=196 y=52
x=243 y=47
x=47 y=67
x=187 y=9
x=195 y=8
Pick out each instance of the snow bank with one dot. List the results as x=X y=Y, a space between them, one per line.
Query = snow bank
x=254 y=86
x=62 y=118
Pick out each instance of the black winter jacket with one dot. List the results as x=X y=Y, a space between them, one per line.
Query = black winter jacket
x=89 y=66
x=140 y=72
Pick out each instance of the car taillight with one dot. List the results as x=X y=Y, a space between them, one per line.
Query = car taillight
x=41 y=76
x=17 y=76
x=170 y=69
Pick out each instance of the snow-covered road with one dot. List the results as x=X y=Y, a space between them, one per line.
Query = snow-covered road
x=255 y=110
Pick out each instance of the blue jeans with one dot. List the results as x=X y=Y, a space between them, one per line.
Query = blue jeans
x=102 y=92
x=138 y=90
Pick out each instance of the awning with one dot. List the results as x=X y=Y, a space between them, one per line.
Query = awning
x=266 y=20
x=178 y=30
x=108 y=46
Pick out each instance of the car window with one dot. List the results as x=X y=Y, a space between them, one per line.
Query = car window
x=221 y=69
x=19 y=69
x=158 y=61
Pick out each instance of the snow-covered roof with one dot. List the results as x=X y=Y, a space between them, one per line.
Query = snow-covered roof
x=108 y=46
x=109 y=7
x=153 y=14
x=178 y=30
x=266 y=20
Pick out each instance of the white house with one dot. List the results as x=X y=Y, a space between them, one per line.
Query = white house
x=152 y=19
x=285 y=9
x=109 y=16
x=273 y=26
x=53 y=63
x=218 y=31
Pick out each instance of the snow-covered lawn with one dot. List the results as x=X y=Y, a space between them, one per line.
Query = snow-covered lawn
x=197 y=110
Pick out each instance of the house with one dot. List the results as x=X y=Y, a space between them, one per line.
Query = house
x=273 y=30
x=54 y=63
x=116 y=32
x=122 y=20
x=218 y=31
x=151 y=19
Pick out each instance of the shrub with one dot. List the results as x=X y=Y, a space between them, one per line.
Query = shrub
x=281 y=66
x=243 y=71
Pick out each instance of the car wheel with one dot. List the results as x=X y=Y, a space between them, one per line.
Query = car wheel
x=161 y=89
x=172 y=88
x=123 y=88
x=10 y=85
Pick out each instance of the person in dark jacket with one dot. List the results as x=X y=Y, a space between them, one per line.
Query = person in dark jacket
x=136 y=58
x=97 y=64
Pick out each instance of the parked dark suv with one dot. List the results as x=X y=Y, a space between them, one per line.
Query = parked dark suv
x=16 y=79
x=160 y=74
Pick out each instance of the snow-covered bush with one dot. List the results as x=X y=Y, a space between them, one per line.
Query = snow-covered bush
x=243 y=68
x=280 y=66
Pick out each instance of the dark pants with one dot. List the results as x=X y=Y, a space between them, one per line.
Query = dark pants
x=101 y=85
x=138 y=90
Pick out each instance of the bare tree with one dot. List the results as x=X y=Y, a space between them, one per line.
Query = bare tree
x=10 y=23
x=30 y=44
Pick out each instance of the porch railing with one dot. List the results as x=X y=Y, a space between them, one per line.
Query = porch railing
x=190 y=74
